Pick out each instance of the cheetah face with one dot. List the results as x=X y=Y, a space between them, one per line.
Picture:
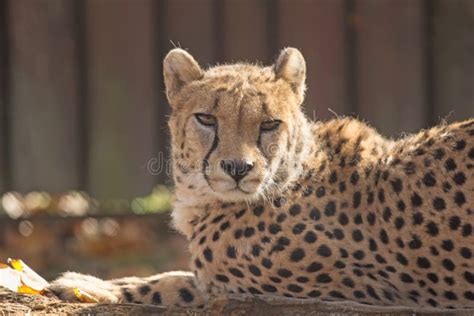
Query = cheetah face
x=231 y=125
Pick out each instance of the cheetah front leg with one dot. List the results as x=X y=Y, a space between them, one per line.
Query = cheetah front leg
x=176 y=288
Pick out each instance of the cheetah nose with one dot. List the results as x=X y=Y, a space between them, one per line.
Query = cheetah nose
x=237 y=169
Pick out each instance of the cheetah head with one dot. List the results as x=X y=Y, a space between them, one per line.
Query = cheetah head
x=237 y=131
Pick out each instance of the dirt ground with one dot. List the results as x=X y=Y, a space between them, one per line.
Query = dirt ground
x=17 y=304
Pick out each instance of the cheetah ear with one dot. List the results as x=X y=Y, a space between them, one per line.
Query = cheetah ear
x=291 y=67
x=179 y=69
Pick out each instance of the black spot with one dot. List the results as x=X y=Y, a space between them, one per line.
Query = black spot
x=297 y=255
x=354 y=178
x=261 y=226
x=231 y=252
x=320 y=192
x=372 y=245
x=314 y=293
x=342 y=186
x=401 y=205
x=383 y=236
x=396 y=185
x=198 y=263
x=469 y=277
x=448 y=264
x=279 y=202
x=359 y=255
x=337 y=294
x=343 y=219
x=269 y=288
x=339 y=264
x=459 y=178
x=258 y=210
x=399 y=223
x=402 y=259
x=371 y=218
x=357 y=235
x=323 y=278
x=348 y=282
x=330 y=208
x=156 y=298
x=370 y=198
x=406 y=278
x=434 y=251
x=469 y=295
x=418 y=218
x=409 y=168
x=439 y=204
x=333 y=177
x=447 y=245
x=254 y=290
x=387 y=214
x=356 y=199
x=281 y=218
x=460 y=145
x=450 y=295
x=459 y=198
x=295 y=209
x=338 y=233
x=238 y=233
x=267 y=263
x=415 y=243
x=324 y=251
x=256 y=250
x=144 y=290
x=224 y=226
x=358 y=294
x=274 y=229
x=217 y=219
x=449 y=164
x=255 y=270
x=236 y=272
x=358 y=219
x=249 y=231
x=298 y=228
x=202 y=240
x=467 y=230
x=471 y=153
x=429 y=179
x=423 y=263
x=315 y=214
x=454 y=222
x=432 y=277
x=372 y=293
x=215 y=236
x=432 y=229
x=438 y=154
x=465 y=253
x=208 y=254
x=314 y=267
x=310 y=237
x=186 y=295
x=381 y=195
x=416 y=200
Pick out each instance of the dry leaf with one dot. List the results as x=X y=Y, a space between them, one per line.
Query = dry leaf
x=17 y=276
x=84 y=297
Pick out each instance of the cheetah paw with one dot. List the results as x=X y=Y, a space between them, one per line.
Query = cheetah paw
x=102 y=291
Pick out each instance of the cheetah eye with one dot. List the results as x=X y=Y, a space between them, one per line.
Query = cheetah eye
x=268 y=126
x=206 y=119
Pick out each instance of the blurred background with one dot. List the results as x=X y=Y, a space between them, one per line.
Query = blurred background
x=83 y=135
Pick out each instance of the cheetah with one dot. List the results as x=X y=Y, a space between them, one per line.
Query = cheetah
x=275 y=204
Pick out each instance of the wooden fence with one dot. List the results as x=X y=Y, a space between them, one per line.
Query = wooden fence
x=81 y=92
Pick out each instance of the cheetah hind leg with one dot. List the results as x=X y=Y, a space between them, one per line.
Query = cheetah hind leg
x=177 y=288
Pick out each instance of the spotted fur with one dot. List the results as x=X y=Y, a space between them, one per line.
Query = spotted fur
x=328 y=210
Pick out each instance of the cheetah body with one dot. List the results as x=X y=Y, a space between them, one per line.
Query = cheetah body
x=334 y=211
